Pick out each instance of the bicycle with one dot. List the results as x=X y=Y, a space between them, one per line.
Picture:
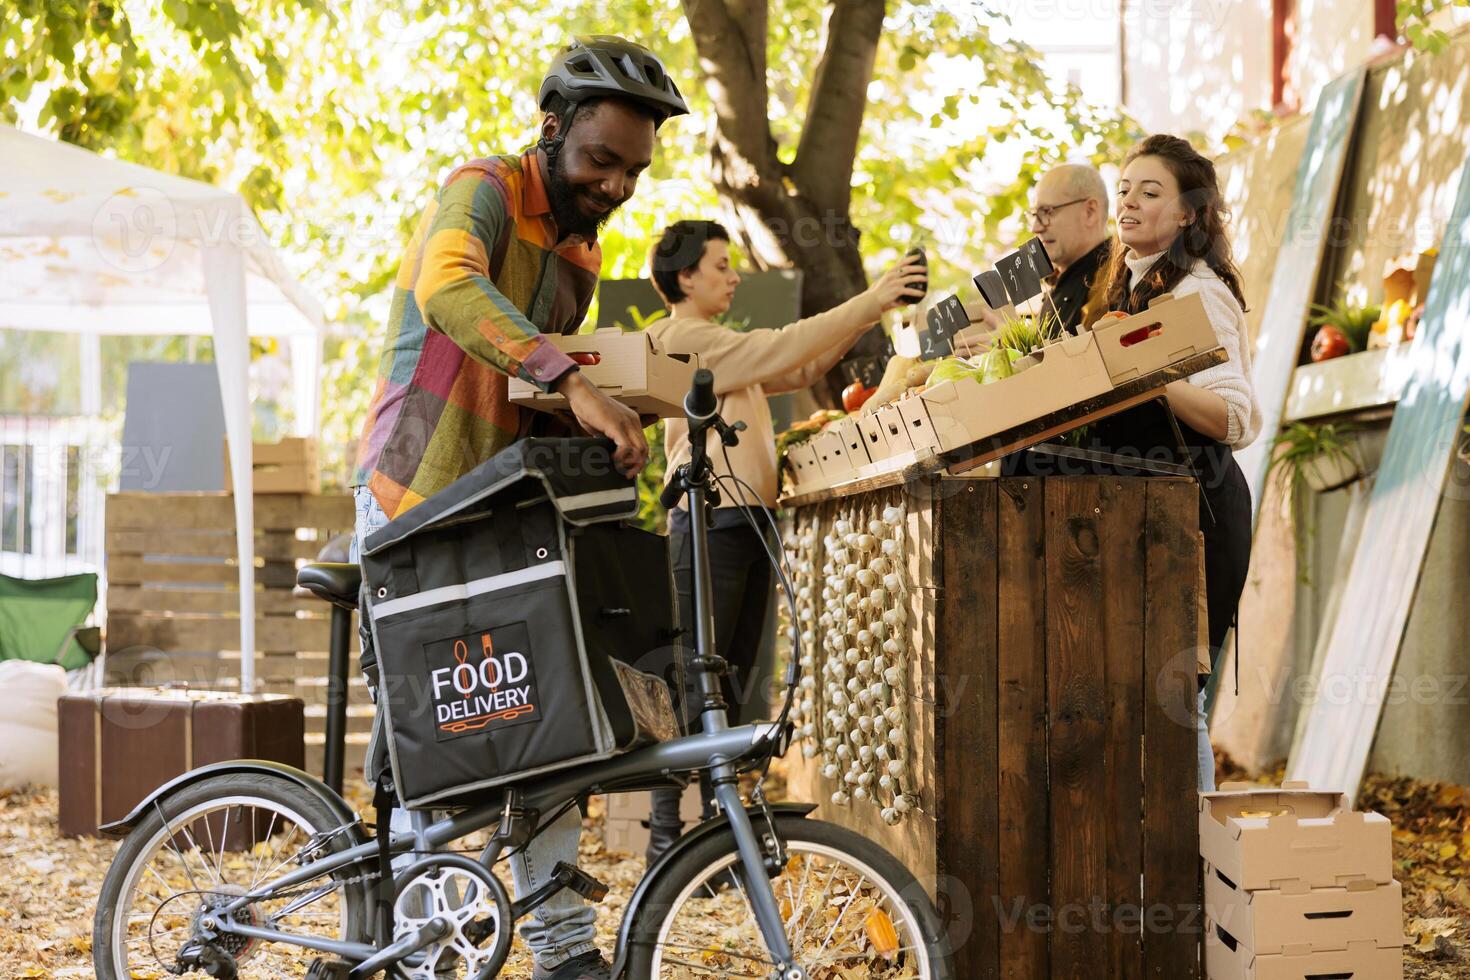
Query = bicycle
x=240 y=866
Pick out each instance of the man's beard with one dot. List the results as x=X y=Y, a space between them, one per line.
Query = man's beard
x=570 y=219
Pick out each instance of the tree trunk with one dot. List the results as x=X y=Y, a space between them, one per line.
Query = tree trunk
x=793 y=215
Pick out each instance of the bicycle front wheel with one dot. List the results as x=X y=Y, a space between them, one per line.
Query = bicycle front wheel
x=850 y=908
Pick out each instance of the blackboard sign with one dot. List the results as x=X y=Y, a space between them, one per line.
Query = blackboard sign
x=1035 y=254
x=946 y=318
x=866 y=368
x=1019 y=276
x=992 y=288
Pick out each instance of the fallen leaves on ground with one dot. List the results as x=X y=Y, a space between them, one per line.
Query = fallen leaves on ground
x=48 y=893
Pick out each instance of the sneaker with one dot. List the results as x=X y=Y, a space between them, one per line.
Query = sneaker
x=588 y=966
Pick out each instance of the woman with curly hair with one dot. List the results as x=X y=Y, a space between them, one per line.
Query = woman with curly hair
x=1172 y=239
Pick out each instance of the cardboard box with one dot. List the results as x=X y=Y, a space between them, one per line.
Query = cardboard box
x=875 y=437
x=288 y=466
x=833 y=456
x=1170 y=330
x=1266 y=838
x=891 y=422
x=1407 y=277
x=1228 y=959
x=965 y=411
x=625 y=826
x=633 y=369
x=801 y=462
x=852 y=439
x=629 y=836
x=636 y=806
x=1270 y=921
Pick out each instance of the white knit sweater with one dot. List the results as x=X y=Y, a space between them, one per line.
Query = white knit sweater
x=1232 y=380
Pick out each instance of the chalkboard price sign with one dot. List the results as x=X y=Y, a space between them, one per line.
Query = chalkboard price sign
x=867 y=369
x=945 y=319
x=992 y=288
x=1040 y=262
x=1019 y=275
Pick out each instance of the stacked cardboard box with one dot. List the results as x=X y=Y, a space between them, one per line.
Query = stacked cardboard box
x=1297 y=885
x=625 y=826
x=630 y=367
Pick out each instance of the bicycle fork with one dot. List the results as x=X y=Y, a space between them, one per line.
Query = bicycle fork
x=762 y=855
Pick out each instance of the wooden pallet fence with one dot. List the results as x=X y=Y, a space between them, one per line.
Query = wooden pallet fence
x=173 y=595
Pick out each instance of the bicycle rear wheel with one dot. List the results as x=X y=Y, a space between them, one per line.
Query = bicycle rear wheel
x=850 y=907
x=225 y=836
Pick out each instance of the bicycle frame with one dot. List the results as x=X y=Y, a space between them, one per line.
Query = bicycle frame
x=718 y=748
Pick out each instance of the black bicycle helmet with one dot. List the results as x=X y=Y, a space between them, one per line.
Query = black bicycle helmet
x=601 y=66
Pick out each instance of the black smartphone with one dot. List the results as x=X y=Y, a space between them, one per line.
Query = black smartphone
x=924 y=260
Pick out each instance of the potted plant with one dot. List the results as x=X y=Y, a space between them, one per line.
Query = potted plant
x=1027 y=336
x=1310 y=459
x=1342 y=328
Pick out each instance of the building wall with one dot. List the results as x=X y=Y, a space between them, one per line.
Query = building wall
x=1196 y=66
x=1328 y=38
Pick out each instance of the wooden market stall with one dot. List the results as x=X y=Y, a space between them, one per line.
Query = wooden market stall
x=999 y=682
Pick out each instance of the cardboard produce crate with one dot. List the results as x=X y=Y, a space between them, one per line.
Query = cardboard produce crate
x=957 y=413
x=633 y=369
x=853 y=442
x=1261 y=839
x=801 y=464
x=875 y=437
x=625 y=826
x=890 y=420
x=1169 y=330
x=1271 y=921
x=1228 y=959
x=288 y=466
x=834 y=456
x=635 y=806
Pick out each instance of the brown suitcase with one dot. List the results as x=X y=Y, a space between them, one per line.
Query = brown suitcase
x=117 y=745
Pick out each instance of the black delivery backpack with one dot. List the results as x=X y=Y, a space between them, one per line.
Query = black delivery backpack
x=507 y=614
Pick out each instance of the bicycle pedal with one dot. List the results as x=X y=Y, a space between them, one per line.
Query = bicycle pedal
x=321 y=969
x=580 y=881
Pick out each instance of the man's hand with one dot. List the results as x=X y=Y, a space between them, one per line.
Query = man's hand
x=600 y=415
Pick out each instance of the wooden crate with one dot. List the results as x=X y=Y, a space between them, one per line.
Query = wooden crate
x=173 y=594
x=1051 y=692
x=288 y=466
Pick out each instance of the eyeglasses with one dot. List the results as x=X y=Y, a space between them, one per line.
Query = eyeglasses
x=1043 y=215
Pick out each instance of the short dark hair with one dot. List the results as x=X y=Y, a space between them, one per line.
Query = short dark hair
x=556 y=103
x=679 y=249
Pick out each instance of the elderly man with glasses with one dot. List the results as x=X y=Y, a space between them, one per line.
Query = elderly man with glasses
x=1071 y=219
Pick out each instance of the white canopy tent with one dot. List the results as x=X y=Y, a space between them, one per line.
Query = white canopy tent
x=93 y=245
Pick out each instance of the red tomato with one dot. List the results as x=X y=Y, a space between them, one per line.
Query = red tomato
x=1330 y=342
x=854 y=395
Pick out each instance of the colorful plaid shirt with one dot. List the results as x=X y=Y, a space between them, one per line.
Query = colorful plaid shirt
x=482 y=279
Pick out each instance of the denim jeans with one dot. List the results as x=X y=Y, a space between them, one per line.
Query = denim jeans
x=565 y=925
x=1206 y=753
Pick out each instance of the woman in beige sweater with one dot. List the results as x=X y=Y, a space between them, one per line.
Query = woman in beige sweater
x=693 y=273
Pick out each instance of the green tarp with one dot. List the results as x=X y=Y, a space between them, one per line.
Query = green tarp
x=38 y=618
